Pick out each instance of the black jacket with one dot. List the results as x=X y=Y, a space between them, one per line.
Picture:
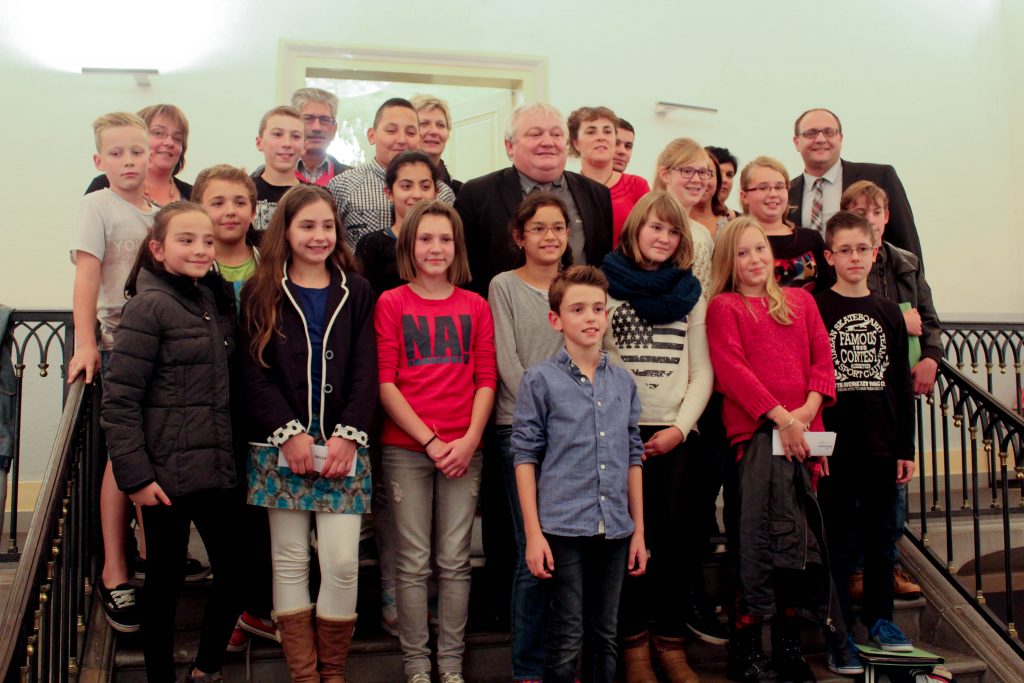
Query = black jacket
x=278 y=396
x=900 y=230
x=486 y=205
x=778 y=514
x=166 y=396
x=897 y=276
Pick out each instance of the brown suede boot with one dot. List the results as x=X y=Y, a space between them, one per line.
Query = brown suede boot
x=333 y=638
x=636 y=654
x=672 y=658
x=298 y=644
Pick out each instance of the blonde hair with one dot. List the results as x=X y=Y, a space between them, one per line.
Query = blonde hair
x=428 y=102
x=405 y=248
x=763 y=162
x=723 y=268
x=679 y=151
x=283 y=110
x=666 y=208
x=117 y=119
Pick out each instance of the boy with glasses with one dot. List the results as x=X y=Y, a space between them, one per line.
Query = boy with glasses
x=873 y=418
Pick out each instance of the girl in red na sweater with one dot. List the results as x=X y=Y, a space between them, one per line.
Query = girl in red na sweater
x=437 y=379
x=773 y=364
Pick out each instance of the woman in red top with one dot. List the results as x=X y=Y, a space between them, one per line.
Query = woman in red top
x=437 y=380
x=773 y=364
x=592 y=139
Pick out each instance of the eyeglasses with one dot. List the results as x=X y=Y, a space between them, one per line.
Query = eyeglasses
x=765 y=187
x=541 y=230
x=863 y=251
x=309 y=120
x=688 y=172
x=163 y=134
x=812 y=133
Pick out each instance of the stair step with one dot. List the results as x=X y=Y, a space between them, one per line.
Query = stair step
x=967 y=669
x=376 y=658
x=379 y=660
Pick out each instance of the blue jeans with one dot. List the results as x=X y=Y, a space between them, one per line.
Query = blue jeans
x=583 y=606
x=528 y=597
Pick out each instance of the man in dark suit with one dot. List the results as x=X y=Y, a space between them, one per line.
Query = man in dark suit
x=536 y=142
x=818 y=136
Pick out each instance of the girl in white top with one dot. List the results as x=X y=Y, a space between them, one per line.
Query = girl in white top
x=656 y=331
x=683 y=171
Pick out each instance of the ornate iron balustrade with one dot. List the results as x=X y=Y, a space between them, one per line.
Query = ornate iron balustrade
x=997 y=347
x=970 y=441
x=44 y=338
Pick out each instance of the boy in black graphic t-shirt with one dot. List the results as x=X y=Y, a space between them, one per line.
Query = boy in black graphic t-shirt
x=282 y=141
x=874 y=421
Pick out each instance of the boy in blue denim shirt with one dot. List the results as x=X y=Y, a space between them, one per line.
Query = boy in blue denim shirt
x=576 y=417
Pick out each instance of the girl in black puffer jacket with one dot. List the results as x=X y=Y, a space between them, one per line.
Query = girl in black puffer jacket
x=168 y=426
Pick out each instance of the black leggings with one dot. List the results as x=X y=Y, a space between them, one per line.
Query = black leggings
x=677 y=537
x=217 y=514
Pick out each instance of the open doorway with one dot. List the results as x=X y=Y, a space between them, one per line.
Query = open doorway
x=481 y=90
x=478 y=118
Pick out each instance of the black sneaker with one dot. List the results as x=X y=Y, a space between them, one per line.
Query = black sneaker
x=119 y=606
x=194 y=570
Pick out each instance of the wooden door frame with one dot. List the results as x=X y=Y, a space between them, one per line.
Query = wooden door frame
x=524 y=75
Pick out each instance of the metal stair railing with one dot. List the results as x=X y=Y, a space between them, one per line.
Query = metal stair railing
x=969 y=440
x=43 y=628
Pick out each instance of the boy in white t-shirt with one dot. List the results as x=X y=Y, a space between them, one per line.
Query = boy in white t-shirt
x=111 y=225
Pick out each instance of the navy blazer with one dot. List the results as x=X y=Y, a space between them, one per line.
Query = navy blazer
x=900 y=230
x=486 y=205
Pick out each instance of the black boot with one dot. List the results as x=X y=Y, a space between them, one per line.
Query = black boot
x=746 y=660
x=787 y=660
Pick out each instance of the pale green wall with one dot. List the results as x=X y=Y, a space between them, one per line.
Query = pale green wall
x=931 y=86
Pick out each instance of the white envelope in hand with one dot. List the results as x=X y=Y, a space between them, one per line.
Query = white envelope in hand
x=821 y=443
x=319 y=459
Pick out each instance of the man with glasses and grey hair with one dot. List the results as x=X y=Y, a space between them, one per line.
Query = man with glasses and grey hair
x=536 y=142
x=319 y=110
x=814 y=194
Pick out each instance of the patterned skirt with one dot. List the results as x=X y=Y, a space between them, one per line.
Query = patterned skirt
x=279 y=488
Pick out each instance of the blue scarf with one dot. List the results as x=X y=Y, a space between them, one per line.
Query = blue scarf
x=658 y=296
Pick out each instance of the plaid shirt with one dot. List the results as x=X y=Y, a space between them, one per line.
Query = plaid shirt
x=362 y=204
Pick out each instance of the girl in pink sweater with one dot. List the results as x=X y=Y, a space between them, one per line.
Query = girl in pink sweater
x=773 y=364
x=437 y=380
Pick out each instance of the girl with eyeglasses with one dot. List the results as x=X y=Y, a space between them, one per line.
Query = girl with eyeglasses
x=682 y=171
x=710 y=211
x=799 y=252
x=519 y=303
